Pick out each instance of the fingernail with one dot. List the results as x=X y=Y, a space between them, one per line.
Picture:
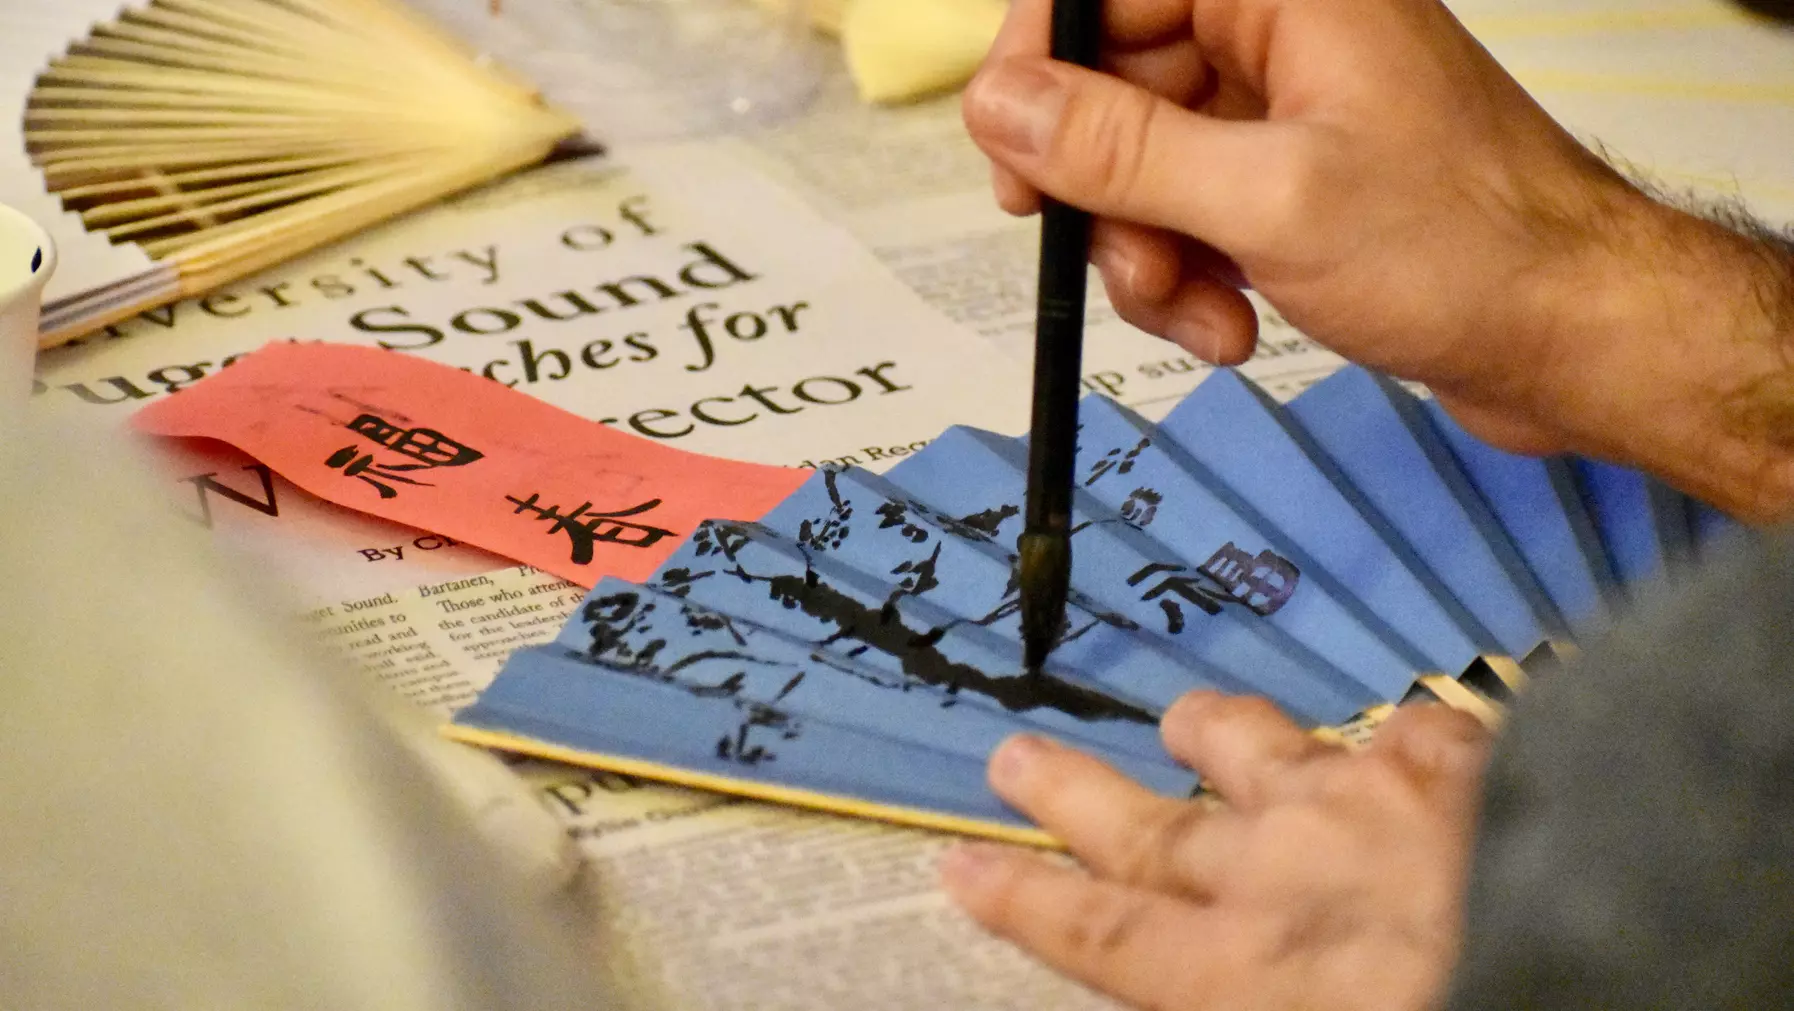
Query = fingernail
x=1217 y=351
x=1202 y=341
x=965 y=865
x=1194 y=338
x=1014 y=759
x=1117 y=268
x=1188 y=707
x=1017 y=105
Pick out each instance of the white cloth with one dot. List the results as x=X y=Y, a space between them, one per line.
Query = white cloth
x=198 y=812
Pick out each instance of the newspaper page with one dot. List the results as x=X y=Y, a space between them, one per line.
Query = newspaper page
x=910 y=183
x=717 y=903
x=437 y=644
x=558 y=283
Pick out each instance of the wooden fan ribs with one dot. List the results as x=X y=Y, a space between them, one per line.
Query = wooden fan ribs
x=225 y=135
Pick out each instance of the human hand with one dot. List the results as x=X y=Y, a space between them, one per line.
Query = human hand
x=1327 y=878
x=1393 y=192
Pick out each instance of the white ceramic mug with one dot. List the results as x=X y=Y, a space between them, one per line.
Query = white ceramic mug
x=27 y=258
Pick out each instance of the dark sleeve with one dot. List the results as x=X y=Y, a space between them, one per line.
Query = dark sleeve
x=1637 y=845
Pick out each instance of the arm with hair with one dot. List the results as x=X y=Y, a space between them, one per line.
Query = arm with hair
x=1372 y=172
x=1677 y=354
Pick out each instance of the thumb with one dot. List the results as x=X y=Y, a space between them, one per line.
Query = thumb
x=1117 y=150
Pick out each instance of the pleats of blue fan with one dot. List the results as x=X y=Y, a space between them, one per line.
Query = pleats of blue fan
x=862 y=640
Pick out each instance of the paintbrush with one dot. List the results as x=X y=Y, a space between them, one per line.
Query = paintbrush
x=1045 y=543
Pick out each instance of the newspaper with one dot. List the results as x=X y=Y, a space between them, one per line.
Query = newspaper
x=706 y=901
x=437 y=644
x=716 y=903
x=703 y=903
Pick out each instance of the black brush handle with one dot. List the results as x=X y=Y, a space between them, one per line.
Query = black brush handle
x=1045 y=544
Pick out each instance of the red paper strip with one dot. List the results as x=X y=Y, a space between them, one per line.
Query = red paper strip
x=440 y=449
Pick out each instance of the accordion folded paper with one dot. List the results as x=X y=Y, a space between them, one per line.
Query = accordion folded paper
x=171 y=146
x=1537 y=502
x=857 y=649
x=450 y=452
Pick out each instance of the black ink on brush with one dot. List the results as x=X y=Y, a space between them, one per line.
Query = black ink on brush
x=1045 y=543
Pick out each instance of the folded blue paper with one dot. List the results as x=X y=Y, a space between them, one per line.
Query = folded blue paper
x=1645 y=526
x=1243 y=444
x=857 y=649
x=1538 y=504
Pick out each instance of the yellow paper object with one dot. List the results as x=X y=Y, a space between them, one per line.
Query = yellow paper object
x=898 y=50
x=824 y=15
x=903 y=49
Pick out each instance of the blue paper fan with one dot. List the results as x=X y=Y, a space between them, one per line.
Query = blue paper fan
x=1164 y=596
x=1646 y=527
x=1538 y=503
x=1385 y=452
x=858 y=648
x=1254 y=451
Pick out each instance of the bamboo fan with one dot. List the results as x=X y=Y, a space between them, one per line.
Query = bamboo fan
x=222 y=136
x=857 y=649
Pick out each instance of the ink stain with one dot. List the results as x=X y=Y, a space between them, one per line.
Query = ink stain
x=916 y=651
x=623 y=636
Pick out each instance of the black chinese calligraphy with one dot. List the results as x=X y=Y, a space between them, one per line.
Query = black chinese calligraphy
x=426 y=447
x=1116 y=461
x=828 y=532
x=915 y=524
x=586 y=529
x=896 y=514
x=1262 y=583
x=979 y=525
x=916 y=576
x=1142 y=504
x=705 y=653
